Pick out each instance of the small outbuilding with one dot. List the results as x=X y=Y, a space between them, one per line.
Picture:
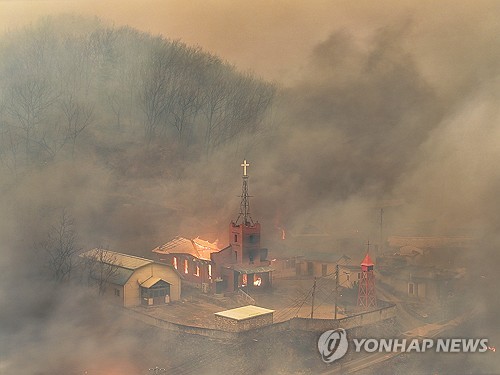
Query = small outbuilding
x=129 y=280
x=243 y=318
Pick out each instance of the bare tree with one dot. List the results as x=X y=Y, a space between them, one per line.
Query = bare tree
x=155 y=96
x=233 y=104
x=185 y=106
x=10 y=145
x=215 y=93
x=78 y=116
x=30 y=99
x=60 y=248
x=100 y=267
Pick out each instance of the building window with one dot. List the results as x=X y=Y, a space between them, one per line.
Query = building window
x=359 y=275
x=244 y=280
x=411 y=288
x=323 y=269
x=186 y=270
x=210 y=271
x=197 y=273
x=175 y=262
x=235 y=238
x=117 y=292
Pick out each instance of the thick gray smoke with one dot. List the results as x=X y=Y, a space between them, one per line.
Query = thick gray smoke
x=403 y=116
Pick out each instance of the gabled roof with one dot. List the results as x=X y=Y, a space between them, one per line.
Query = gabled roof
x=121 y=260
x=326 y=257
x=125 y=264
x=121 y=276
x=197 y=248
x=149 y=282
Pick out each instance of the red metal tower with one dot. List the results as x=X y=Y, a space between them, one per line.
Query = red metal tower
x=366 y=294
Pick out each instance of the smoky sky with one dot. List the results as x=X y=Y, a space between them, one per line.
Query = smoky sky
x=385 y=102
x=378 y=103
x=274 y=39
x=389 y=104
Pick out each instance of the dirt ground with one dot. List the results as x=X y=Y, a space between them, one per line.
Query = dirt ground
x=288 y=297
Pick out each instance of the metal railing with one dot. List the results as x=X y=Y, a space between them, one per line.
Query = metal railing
x=246 y=297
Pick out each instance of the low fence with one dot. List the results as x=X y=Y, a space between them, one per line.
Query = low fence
x=294 y=324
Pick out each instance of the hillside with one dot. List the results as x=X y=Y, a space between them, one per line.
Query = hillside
x=73 y=86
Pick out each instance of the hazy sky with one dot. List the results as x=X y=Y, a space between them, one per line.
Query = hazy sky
x=271 y=38
x=385 y=101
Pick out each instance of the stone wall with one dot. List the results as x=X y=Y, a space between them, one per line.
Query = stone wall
x=233 y=325
x=268 y=327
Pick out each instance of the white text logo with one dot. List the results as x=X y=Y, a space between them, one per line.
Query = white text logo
x=333 y=345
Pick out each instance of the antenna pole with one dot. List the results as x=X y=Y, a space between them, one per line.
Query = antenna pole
x=313 y=293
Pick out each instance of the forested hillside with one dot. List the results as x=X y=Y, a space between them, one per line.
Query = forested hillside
x=72 y=86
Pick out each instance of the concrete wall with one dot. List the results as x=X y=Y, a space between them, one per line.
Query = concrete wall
x=132 y=287
x=284 y=267
x=233 y=325
x=298 y=324
x=428 y=289
x=347 y=276
x=192 y=330
x=358 y=320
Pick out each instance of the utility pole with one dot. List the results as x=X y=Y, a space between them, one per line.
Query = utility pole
x=313 y=293
x=336 y=290
x=381 y=246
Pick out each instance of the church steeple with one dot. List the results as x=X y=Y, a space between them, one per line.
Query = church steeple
x=244 y=214
x=244 y=233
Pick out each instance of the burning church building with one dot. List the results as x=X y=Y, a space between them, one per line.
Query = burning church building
x=192 y=258
x=241 y=264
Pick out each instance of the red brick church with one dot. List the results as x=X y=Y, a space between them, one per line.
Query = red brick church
x=242 y=264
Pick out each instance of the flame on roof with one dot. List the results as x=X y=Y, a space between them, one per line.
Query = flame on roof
x=197 y=247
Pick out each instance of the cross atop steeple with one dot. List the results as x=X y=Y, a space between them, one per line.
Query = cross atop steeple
x=245 y=165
